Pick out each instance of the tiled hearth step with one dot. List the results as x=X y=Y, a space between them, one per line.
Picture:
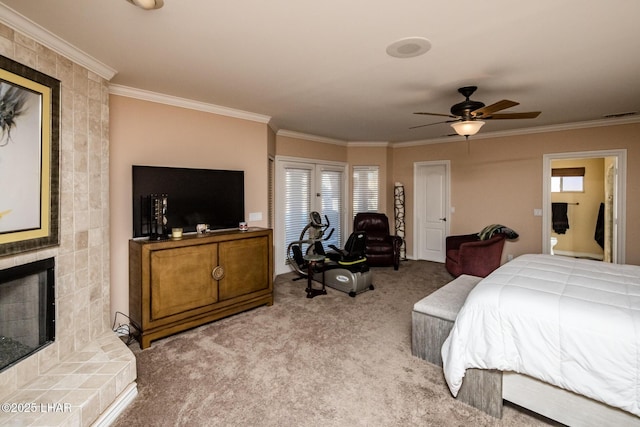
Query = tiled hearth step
x=90 y=387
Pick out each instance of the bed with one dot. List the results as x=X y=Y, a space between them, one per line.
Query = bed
x=553 y=324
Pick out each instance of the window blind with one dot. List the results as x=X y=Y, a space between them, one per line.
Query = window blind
x=567 y=172
x=297 y=203
x=331 y=202
x=365 y=189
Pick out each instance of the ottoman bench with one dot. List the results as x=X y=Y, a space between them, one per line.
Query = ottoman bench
x=432 y=321
x=433 y=317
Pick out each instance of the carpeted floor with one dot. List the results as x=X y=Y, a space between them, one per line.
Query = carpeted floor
x=327 y=361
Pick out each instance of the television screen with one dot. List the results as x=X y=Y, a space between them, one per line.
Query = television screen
x=194 y=196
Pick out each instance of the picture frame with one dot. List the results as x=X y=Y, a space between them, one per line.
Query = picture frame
x=29 y=159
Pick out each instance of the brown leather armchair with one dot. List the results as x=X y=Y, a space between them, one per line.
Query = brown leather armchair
x=467 y=254
x=382 y=248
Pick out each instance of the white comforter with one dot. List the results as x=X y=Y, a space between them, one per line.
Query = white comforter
x=571 y=323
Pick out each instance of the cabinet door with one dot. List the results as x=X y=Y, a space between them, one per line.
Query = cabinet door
x=245 y=262
x=181 y=279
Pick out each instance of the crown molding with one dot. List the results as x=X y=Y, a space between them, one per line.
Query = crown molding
x=309 y=137
x=19 y=23
x=323 y=139
x=175 y=101
x=372 y=144
x=527 y=131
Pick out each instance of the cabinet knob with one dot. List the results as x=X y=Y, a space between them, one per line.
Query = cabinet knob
x=218 y=273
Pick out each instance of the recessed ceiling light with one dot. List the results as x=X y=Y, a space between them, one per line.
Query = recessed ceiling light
x=409 y=47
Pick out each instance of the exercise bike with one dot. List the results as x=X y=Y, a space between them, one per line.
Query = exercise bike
x=343 y=269
x=307 y=246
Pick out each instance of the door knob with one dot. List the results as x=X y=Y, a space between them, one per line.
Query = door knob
x=443 y=219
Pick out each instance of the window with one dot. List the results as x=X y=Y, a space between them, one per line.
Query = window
x=565 y=180
x=365 y=189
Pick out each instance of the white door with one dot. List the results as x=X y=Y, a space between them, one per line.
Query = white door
x=431 y=208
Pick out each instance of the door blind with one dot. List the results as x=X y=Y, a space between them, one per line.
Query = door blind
x=297 y=203
x=332 y=206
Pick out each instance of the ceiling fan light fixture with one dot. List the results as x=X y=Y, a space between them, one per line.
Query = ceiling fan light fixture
x=467 y=127
x=147 y=4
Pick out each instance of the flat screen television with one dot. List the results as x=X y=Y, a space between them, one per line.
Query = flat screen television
x=194 y=196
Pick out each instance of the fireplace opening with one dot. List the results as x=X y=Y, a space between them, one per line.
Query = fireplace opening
x=27 y=310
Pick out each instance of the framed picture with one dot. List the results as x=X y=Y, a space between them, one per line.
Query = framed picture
x=29 y=158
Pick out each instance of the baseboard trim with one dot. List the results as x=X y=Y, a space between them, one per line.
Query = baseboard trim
x=117 y=407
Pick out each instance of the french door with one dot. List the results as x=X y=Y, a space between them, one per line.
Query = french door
x=303 y=186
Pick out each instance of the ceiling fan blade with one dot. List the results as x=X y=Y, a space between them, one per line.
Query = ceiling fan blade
x=431 y=124
x=503 y=116
x=485 y=111
x=437 y=114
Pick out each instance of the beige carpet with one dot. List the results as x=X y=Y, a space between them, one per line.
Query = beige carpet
x=327 y=361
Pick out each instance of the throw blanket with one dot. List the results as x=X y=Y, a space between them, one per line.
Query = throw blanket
x=568 y=322
x=559 y=219
x=492 y=229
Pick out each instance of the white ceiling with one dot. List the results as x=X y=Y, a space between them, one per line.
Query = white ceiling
x=321 y=67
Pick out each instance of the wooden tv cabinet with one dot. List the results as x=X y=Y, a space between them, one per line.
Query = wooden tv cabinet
x=178 y=284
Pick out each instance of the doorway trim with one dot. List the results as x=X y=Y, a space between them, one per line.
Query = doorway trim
x=620 y=196
x=447 y=202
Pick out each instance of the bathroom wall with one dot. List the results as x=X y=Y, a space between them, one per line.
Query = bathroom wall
x=582 y=210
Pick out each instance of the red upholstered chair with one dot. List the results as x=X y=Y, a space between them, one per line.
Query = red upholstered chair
x=382 y=249
x=467 y=254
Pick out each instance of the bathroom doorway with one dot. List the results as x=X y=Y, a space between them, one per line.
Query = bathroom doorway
x=584 y=205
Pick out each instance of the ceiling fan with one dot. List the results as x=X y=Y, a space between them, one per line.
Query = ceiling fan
x=469 y=115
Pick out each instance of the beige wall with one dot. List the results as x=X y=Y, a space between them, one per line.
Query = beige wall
x=148 y=133
x=82 y=258
x=578 y=240
x=494 y=180
x=296 y=147
x=499 y=180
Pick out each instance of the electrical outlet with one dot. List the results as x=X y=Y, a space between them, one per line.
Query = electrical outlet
x=255 y=216
x=537 y=212
x=509 y=257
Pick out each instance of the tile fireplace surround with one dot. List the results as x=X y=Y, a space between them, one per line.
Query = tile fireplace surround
x=87 y=375
x=82 y=390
